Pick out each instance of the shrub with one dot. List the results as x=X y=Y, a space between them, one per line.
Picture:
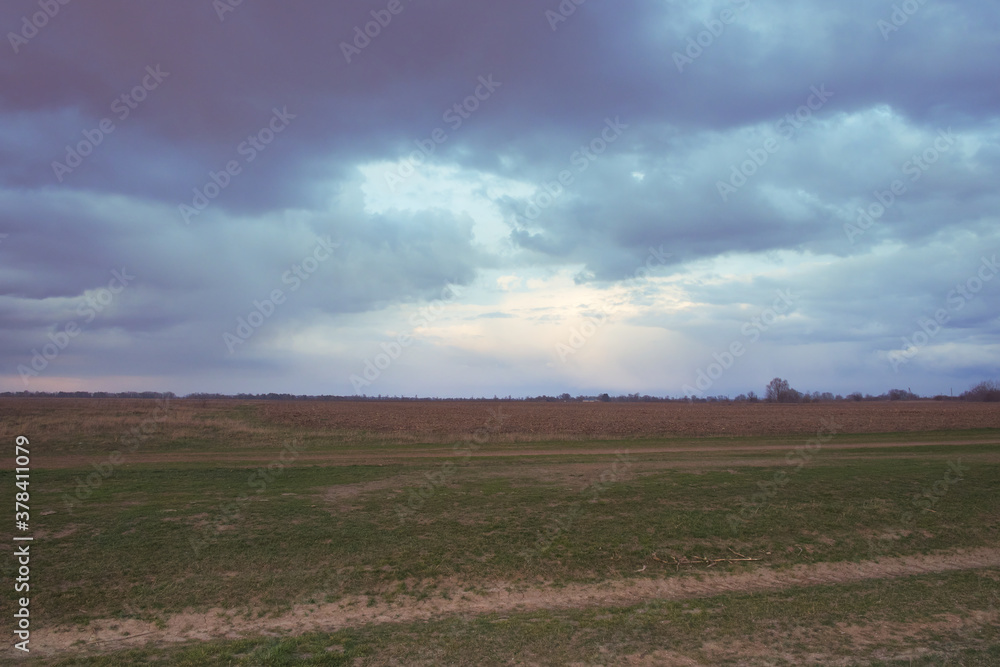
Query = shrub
x=987 y=391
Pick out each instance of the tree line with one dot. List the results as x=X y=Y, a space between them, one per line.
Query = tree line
x=777 y=390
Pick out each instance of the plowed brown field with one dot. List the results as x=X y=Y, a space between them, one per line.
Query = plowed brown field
x=532 y=420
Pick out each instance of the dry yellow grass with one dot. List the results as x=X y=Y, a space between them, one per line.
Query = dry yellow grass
x=100 y=423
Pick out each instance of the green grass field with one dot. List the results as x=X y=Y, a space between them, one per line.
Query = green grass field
x=145 y=543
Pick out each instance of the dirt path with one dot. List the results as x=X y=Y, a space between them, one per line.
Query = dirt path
x=400 y=453
x=115 y=634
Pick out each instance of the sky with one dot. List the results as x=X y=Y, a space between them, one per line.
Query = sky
x=526 y=197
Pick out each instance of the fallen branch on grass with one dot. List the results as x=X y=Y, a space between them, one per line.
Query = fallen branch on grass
x=702 y=560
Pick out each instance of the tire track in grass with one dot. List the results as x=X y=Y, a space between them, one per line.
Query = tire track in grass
x=499 y=597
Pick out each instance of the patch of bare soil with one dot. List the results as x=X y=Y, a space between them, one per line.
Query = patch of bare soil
x=342 y=492
x=499 y=597
x=576 y=476
x=362 y=457
x=338 y=497
x=659 y=658
x=843 y=644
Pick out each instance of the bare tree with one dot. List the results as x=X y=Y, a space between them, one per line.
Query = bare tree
x=988 y=390
x=779 y=391
x=776 y=390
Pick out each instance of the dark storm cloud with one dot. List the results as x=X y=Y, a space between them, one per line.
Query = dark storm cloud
x=177 y=92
